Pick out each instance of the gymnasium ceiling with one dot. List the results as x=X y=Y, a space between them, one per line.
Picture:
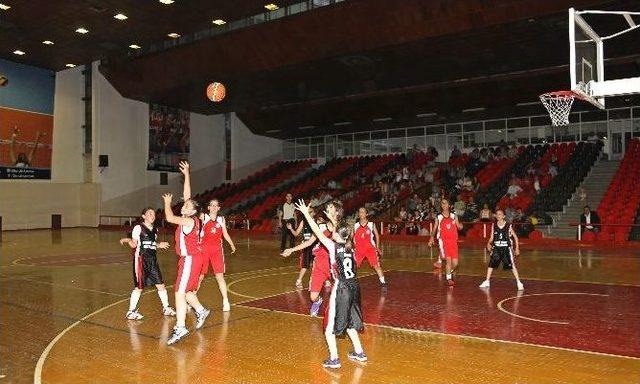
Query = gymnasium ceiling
x=350 y=66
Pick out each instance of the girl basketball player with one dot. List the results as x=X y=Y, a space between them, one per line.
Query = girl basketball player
x=343 y=314
x=306 y=255
x=502 y=252
x=447 y=226
x=187 y=238
x=146 y=271
x=367 y=244
x=214 y=228
x=320 y=270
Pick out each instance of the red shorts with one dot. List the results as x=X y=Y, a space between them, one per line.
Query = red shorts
x=448 y=248
x=370 y=255
x=320 y=272
x=215 y=259
x=188 y=277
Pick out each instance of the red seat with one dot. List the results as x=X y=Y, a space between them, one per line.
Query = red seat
x=535 y=235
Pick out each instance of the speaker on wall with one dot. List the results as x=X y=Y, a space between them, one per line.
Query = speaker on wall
x=164 y=178
x=103 y=161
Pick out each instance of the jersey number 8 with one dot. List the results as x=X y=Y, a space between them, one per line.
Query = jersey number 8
x=347 y=266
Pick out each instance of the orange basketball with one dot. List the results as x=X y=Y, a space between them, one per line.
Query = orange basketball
x=216 y=92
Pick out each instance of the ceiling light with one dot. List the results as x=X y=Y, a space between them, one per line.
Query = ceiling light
x=307 y=127
x=70 y=65
x=426 y=114
x=272 y=131
x=134 y=46
x=342 y=123
x=120 y=16
x=173 y=35
x=473 y=109
x=82 y=30
x=380 y=119
x=271 y=7
x=219 y=22
x=166 y=2
x=47 y=42
x=18 y=52
x=4 y=7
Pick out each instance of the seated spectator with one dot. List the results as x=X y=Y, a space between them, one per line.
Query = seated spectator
x=589 y=220
x=553 y=170
x=459 y=207
x=513 y=152
x=455 y=152
x=536 y=185
x=513 y=189
x=412 y=228
x=403 y=214
x=471 y=210
x=485 y=214
x=510 y=214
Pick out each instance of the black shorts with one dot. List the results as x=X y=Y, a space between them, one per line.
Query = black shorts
x=147 y=272
x=501 y=255
x=343 y=311
x=306 y=258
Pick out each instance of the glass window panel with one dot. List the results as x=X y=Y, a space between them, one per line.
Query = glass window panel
x=361 y=136
x=541 y=134
x=289 y=153
x=418 y=141
x=379 y=135
x=518 y=122
x=495 y=125
x=453 y=128
x=617 y=114
x=472 y=127
x=434 y=129
x=317 y=140
x=493 y=138
x=598 y=115
x=302 y=141
x=397 y=145
x=597 y=128
x=302 y=151
x=412 y=132
x=518 y=136
x=397 y=133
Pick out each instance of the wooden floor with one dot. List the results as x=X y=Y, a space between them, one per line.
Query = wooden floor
x=63 y=296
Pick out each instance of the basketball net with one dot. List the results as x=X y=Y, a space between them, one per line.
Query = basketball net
x=558 y=104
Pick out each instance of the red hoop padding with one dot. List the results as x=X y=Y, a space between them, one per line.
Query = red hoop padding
x=558 y=104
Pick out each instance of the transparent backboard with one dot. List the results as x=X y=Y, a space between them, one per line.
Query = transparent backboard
x=586 y=58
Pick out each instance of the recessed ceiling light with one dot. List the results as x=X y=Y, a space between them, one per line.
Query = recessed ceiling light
x=271 y=7
x=82 y=30
x=70 y=65
x=120 y=16
x=47 y=42
x=219 y=22
x=167 y=2
x=18 y=52
x=134 y=46
x=4 y=7
x=173 y=35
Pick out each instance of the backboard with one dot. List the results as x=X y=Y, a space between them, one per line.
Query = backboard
x=586 y=57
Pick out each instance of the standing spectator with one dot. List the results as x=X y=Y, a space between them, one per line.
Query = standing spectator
x=286 y=216
x=485 y=213
x=455 y=152
x=471 y=210
x=513 y=189
x=403 y=215
x=459 y=207
x=589 y=220
x=582 y=195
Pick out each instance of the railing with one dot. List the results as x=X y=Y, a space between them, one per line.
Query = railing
x=581 y=228
x=129 y=221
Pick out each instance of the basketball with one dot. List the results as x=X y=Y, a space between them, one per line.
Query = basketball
x=216 y=92
x=3 y=81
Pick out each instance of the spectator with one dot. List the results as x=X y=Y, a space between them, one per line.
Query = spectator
x=513 y=152
x=315 y=201
x=403 y=214
x=536 y=184
x=513 y=189
x=553 y=170
x=471 y=209
x=582 y=195
x=459 y=207
x=485 y=213
x=286 y=216
x=455 y=152
x=592 y=137
x=589 y=220
x=412 y=229
x=412 y=203
x=510 y=214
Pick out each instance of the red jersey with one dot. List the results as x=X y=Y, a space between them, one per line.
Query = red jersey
x=448 y=227
x=211 y=236
x=363 y=238
x=188 y=244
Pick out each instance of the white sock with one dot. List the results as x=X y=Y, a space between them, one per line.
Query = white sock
x=164 y=298
x=199 y=310
x=332 y=344
x=448 y=276
x=381 y=278
x=135 y=297
x=355 y=340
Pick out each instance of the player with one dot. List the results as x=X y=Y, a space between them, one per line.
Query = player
x=447 y=227
x=146 y=271
x=187 y=238
x=502 y=252
x=306 y=255
x=367 y=244
x=22 y=160
x=343 y=314
x=214 y=228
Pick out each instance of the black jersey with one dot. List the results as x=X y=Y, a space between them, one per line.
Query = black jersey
x=146 y=240
x=345 y=264
x=306 y=231
x=501 y=236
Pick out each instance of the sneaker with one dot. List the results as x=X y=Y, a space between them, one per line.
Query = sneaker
x=299 y=284
x=383 y=286
x=327 y=285
x=168 y=311
x=361 y=357
x=315 y=308
x=451 y=282
x=226 y=307
x=178 y=334
x=134 y=315
x=485 y=284
x=201 y=317
x=520 y=286
x=437 y=264
x=333 y=364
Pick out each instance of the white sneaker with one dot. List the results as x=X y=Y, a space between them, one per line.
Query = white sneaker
x=201 y=317
x=168 y=311
x=226 y=307
x=178 y=334
x=520 y=286
x=485 y=284
x=134 y=315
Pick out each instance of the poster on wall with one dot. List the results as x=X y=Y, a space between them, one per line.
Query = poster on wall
x=26 y=121
x=168 y=138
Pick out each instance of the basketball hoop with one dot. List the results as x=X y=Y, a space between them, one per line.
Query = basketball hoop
x=558 y=105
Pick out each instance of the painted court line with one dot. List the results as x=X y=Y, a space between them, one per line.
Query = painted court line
x=499 y=305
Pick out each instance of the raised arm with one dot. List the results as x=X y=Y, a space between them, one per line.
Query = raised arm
x=168 y=213
x=12 y=144
x=33 y=150
x=304 y=209
x=226 y=236
x=186 y=189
